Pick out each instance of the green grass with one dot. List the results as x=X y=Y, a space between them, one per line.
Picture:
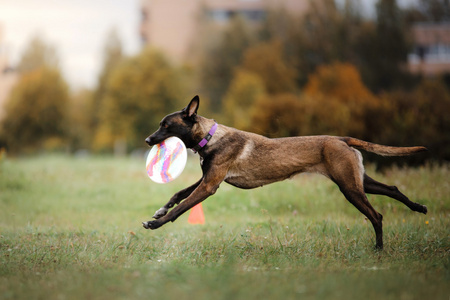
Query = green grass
x=71 y=229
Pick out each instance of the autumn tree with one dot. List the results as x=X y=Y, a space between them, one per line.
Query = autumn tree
x=334 y=101
x=280 y=25
x=80 y=117
x=434 y=10
x=267 y=60
x=112 y=56
x=383 y=48
x=338 y=80
x=36 y=112
x=245 y=89
x=222 y=53
x=139 y=93
x=278 y=115
x=420 y=117
x=337 y=90
x=36 y=109
x=37 y=54
x=319 y=33
x=326 y=33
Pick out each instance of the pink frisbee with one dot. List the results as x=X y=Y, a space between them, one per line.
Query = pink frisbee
x=166 y=161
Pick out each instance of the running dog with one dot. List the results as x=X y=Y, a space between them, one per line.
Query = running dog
x=247 y=160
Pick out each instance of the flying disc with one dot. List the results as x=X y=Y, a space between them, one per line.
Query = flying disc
x=166 y=161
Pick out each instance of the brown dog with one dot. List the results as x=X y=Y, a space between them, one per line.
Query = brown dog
x=247 y=160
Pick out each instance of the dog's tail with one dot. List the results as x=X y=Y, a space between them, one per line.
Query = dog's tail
x=381 y=149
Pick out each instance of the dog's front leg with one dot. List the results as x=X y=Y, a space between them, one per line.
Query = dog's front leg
x=176 y=199
x=206 y=187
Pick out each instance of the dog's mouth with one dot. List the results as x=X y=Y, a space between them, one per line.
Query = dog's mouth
x=154 y=140
x=151 y=141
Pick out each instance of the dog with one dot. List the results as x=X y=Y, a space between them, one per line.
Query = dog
x=247 y=160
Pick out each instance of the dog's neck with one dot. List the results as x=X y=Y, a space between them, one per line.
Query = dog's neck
x=204 y=130
x=206 y=139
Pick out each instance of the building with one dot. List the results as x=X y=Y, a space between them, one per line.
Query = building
x=171 y=25
x=431 y=52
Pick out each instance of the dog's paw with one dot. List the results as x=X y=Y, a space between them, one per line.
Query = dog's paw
x=151 y=225
x=160 y=213
x=424 y=209
x=146 y=225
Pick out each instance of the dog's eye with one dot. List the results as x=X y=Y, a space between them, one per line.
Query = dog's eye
x=164 y=125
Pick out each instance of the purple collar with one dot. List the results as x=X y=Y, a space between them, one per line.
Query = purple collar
x=206 y=139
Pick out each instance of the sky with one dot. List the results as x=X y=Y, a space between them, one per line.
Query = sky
x=78 y=30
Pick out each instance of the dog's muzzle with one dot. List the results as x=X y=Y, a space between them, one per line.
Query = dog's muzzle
x=153 y=140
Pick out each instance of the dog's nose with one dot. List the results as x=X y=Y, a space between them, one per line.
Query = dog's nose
x=147 y=140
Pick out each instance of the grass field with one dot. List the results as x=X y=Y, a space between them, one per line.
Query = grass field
x=71 y=229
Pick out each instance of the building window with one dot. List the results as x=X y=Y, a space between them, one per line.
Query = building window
x=219 y=15
x=431 y=53
x=253 y=15
x=222 y=16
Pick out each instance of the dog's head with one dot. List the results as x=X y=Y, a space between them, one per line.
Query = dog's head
x=177 y=124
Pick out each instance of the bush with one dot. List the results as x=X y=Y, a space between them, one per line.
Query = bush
x=420 y=117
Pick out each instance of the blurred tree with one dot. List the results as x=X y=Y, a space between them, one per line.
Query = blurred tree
x=384 y=48
x=331 y=30
x=335 y=102
x=319 y=32
x=339 y=80
x=347 y=30
x=338 y=90
x=80 y=130
x=400 y=118
x=278 y=115
x=245 y=88
x=420 y=117
x=37 y=54
x=428 y=11
x=139 y=93
x=435 y=10
x=112 y=56
x=221 y=56
x=433 y=101
x=36 y=111
x=266 y=60
x=280 y=25
x=326 y=33
x=314 y=38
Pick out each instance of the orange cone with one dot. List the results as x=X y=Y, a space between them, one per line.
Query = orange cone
x=196 y=215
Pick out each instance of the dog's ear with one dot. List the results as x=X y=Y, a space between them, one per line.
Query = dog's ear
x=191 y=110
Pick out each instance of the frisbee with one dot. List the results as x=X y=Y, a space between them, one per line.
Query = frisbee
x=166 y=161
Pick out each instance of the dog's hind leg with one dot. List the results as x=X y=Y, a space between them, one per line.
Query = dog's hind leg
x=371 y=186
x=359 y=200
x=176 y=199
x=348 y=175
